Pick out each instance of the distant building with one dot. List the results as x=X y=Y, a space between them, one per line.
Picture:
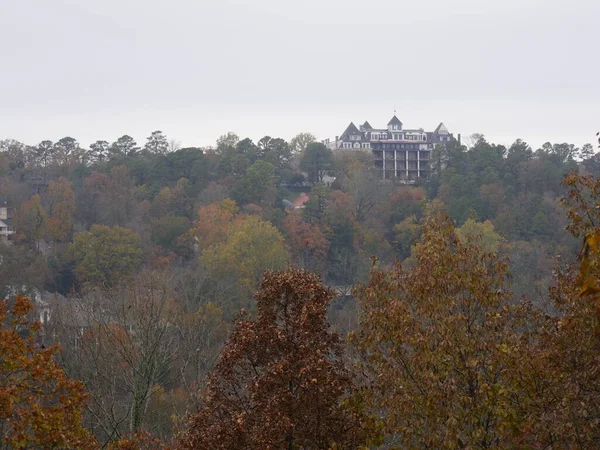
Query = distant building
x=6 y=222
x=401 y=154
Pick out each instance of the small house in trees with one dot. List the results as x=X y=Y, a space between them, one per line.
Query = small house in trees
x=6 y=222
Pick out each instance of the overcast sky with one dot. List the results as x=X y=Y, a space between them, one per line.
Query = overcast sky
x=196 y=69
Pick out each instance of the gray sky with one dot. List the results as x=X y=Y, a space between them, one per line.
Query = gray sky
x=195 y=69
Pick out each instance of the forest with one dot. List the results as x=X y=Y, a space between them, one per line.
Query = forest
x=276 y=294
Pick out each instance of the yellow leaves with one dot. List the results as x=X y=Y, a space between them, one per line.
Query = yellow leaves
x=251 y=247
x=592 y=240
x=436 y=338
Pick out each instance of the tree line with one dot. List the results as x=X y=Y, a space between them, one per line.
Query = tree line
x=460 y=295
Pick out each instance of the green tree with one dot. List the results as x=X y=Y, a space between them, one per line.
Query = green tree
x=166 y=230
x=299 y=142
x=257 y=186
x=124 y=146
x=99 y=151
x=480 y=233
x=67 y=149
x=316 y=160
x=44 y=153
x=227 y=143
x=314 y=208
x=106 y=256
x=157 y=143
x=274 y=150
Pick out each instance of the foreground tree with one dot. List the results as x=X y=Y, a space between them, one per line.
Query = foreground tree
x=563 y=403
x=40 y=407
x=436 y=342
x=281 y=379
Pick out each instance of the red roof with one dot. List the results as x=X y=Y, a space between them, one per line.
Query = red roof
x=300 y=201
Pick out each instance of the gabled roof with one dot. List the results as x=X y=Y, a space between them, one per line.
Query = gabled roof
x=367 y=126
x=441 y=128
x=350 y=130
x=394 y=121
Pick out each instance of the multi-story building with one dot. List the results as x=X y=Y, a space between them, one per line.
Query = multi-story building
x=6 y=222
x=401 y=154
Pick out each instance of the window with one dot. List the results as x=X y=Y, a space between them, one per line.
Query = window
x=356 y=145
x=355 y=137
x=366 y=145
x=347 y=145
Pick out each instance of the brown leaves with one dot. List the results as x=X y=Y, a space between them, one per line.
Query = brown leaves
x=280 y=380
x=39 y=405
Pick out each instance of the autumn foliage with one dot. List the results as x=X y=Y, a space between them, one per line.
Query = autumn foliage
x=40 y=407
x=281 y=379
x=434 y=341
x=453 y=361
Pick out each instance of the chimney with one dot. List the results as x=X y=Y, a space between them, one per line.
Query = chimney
x=459 y=139
x=336 y=141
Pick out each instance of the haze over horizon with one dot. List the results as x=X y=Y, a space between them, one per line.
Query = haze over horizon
x=100 y=69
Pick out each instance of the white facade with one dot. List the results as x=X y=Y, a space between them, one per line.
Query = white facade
x=6 y=227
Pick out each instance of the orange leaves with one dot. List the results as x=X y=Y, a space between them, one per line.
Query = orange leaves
x=39 y=405
x=21 y=307
x=214 y=222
